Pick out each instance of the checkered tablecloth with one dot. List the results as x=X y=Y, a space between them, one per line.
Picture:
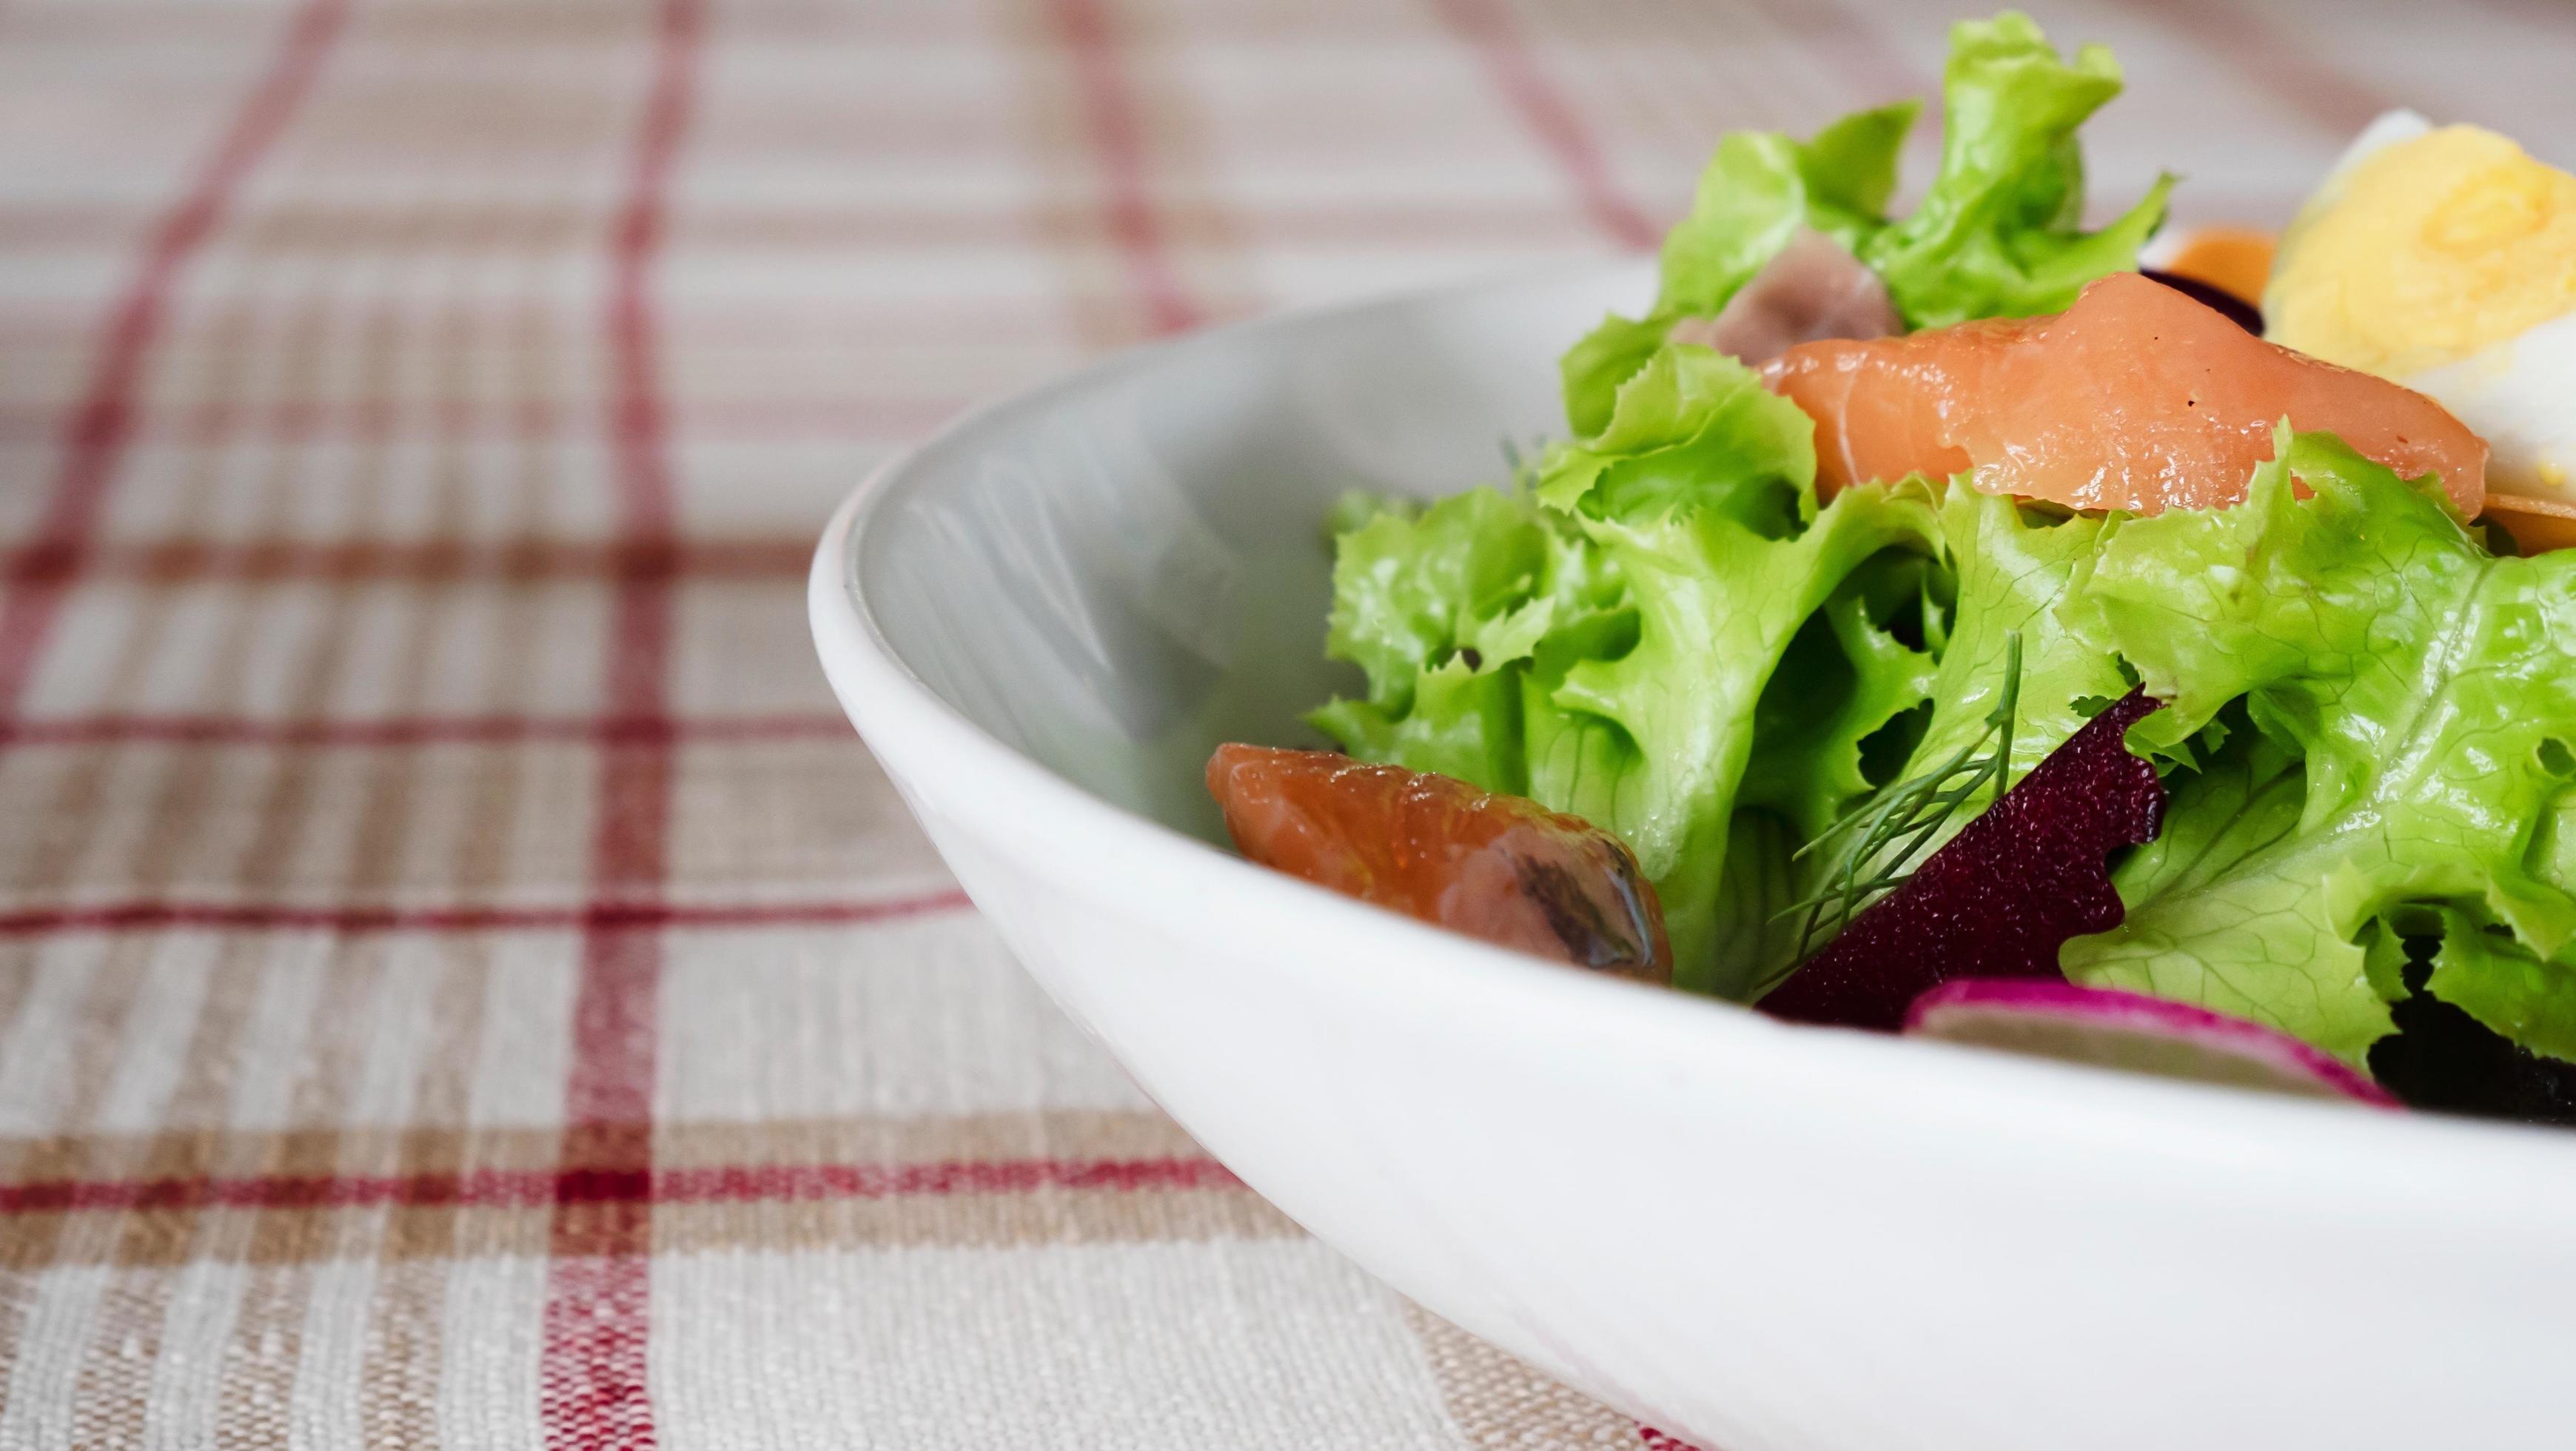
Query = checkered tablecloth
x=461 y=982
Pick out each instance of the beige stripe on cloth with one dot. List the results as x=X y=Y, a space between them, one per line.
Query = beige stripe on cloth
x=414 y=419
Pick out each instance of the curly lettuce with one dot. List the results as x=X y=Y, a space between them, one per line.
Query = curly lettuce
x=1997 y=234
x=1443 y=608
x=2014 y=569
x=2369 y=739
x=2409 y=708
x=1603 y=643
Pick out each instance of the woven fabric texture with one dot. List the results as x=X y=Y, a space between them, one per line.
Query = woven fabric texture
x=461 y=981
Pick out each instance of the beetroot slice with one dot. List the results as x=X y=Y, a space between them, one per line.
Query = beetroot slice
x=2115 y=1029
x=2003 y=895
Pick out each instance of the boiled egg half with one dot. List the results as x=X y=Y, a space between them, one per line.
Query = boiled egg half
x=2444 y=258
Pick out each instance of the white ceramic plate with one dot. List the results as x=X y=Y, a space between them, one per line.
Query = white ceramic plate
x=1757 y=1236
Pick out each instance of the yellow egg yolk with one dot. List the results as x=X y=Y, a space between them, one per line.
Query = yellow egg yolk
x=2425 y=252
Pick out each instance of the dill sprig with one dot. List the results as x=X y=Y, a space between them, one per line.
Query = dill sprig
x=1881 y=837
x=1523 y=464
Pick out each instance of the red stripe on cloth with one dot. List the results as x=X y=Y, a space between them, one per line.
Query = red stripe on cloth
x=1118 y=136
x=1858 y=48
x=402 y=732
x=603 y=917
x=590 y=1375
x=1488 y=25
x=774 y=228
x=756 y=420
x=529 y=1188
x=591 y=1368
x=2293 y=69
x=95 y=433
x=433 y=561
x=1660 y=1441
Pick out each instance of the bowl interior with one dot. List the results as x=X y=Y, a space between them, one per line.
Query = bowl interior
x=1118 y=572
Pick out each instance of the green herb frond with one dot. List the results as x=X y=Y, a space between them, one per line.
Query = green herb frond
x=1880 y=839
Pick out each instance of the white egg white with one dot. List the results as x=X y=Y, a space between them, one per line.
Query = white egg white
x=2520 y=395
x=2385 y=130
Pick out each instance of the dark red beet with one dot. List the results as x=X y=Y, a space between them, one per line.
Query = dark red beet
x=2003 y=895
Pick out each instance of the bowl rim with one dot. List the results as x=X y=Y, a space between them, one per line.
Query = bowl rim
x=962 y=771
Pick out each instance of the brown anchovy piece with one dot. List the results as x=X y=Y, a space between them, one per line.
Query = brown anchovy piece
x=1502 y=868
x=1811 y=291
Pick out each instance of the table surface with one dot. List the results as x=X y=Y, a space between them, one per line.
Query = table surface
x=461 y=982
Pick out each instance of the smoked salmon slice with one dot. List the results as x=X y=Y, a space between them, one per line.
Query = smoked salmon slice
x=2135 y=398
x=1502 y=868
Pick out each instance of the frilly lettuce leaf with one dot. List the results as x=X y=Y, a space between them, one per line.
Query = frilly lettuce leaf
x=1761 y=186
x=1436 y=606
x=1634 y=704
x=1693 y=428
x=1609 y=355
x=2410 y=692
x=2015 y=568
x=1997 y=234
x=1845 y=676
x=1758 y=189
x=1717 y=606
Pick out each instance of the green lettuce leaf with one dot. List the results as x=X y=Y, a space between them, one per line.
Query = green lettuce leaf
x=1846 y=676
x=1761 y=186
x=1609 y=355
x=2408 y=692
x=2012 y=569
x=1459 y=722
x=1442 y=608
x=1692 y=428
x=1701 y=492
x=1761 y=881
x=1757 y=190
x=1998 y=234
x=1717 y=605
x=1603 y=643
x=2015 y=568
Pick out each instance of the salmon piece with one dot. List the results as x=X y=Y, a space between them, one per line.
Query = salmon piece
x=1503 y=868
x=2135 y=398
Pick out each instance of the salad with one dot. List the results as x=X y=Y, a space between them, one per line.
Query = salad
x=1935 y=623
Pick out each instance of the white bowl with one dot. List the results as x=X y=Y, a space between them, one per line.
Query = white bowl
x=1754 y=1235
